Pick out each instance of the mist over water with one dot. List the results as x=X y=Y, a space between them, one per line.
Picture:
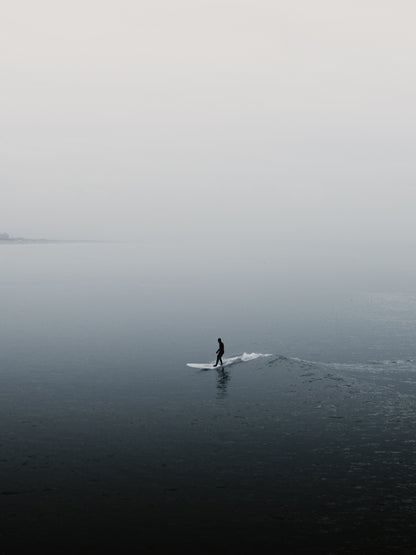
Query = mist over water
x=258 y=157
x=160 y=301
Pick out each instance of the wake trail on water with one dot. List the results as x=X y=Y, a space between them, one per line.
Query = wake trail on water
x=378 y=366
x=228 y=361
x=370 y=367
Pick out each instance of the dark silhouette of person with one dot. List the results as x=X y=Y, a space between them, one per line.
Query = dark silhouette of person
x=220 y=352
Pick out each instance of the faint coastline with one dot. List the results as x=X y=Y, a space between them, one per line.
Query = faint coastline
x=6 y=239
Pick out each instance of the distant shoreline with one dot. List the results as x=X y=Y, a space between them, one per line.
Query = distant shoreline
x=49 y=241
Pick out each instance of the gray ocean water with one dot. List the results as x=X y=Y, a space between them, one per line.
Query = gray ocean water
x=109 y=439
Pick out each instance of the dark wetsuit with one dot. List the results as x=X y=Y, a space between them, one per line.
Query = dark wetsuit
x=220 y=352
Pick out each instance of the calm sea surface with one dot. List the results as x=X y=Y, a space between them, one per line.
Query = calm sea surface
x=108 y=439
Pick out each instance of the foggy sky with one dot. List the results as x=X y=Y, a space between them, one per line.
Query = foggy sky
x=252 y=122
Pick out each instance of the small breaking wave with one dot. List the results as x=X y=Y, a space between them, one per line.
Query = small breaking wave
x=371 y=367
x=228 y=361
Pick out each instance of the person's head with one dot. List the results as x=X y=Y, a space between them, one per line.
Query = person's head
x=219 y=340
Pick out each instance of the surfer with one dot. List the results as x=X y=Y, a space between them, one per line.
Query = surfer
x=220 y=352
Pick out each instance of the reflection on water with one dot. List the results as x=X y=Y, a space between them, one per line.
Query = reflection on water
x=223 y=377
